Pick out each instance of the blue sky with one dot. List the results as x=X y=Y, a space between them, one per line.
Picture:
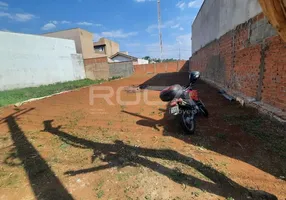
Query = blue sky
x=131 y=23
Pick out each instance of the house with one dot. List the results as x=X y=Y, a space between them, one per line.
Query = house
x=106 y=47
x=82 y=38
x=124 y=57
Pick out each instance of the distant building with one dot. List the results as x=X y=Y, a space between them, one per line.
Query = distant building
x=106 y=47
x=83 y=41
x=122 y=57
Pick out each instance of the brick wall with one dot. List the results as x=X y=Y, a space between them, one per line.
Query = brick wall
x=177 y=66
x=249 y=61
x=97 y=71
x=95 y=60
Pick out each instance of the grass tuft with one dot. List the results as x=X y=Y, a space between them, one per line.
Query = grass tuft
x=18 y=95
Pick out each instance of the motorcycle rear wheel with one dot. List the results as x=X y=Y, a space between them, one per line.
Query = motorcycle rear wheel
x=188 y=124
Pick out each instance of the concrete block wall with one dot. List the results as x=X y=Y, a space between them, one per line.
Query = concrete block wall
x=30 y=60
x=123 y=69
x=249 y=60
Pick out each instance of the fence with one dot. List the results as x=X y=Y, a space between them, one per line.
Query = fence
x=123 y=69
x=30 y=60
x=98 y=68
x=177 y=66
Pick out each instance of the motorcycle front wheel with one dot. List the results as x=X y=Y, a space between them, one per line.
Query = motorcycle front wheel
x=203 y=109
x=188 y=123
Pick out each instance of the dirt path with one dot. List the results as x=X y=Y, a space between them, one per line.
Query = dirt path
x=64 y=148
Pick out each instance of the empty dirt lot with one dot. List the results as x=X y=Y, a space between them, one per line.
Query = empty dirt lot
x=64 y=148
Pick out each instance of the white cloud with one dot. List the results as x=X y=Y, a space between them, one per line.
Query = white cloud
x=118 y=34
x=21 y=17
x=181 y=29
x=167 y=24
x=184 y=39
x=175 y=26
x=96 y=36
x=140 y=1
x=195 y=4
x=182 y=46
x=114 y=34
x=3 y=4
x=78 y=23
x=84 y=23
x=65 y=22
x=4 y=14
x=133 y=44
x=181 y=5
x=48 y=26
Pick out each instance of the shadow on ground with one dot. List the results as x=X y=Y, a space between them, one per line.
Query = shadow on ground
x=121 y=155
x=237 y=132
x=43 y=181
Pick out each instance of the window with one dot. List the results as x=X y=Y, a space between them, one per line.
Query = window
x=99 y=49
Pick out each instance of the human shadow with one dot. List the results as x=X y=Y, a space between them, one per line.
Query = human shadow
x=43 y=181
x=120 y=155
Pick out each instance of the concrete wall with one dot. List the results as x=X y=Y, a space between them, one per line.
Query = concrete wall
x=249 y=61
x=71 y=34
x=217 y=17
x=87 y=44
x=142 y=61
x=78 y=66
x=30 y=60
x=110 y=47
x=123 y=69
x=83 y=41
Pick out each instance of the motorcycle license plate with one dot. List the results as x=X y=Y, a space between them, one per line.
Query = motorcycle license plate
x=174 y=110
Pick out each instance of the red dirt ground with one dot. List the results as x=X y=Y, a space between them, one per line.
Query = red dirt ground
x=64 y=148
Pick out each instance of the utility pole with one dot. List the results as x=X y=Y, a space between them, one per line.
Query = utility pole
x=159 y=27
x=179 y=50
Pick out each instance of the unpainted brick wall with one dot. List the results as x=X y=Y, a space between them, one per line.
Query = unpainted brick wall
x=155 y=68
x=95 y=60
x=97 y=71
x=249 y=60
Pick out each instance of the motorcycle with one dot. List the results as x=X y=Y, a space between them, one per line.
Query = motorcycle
x=185 y=103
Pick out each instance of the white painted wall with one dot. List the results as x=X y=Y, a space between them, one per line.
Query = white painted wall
x=142 y=61
x=217 y=17
x=30 y=60
x=78 y=66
